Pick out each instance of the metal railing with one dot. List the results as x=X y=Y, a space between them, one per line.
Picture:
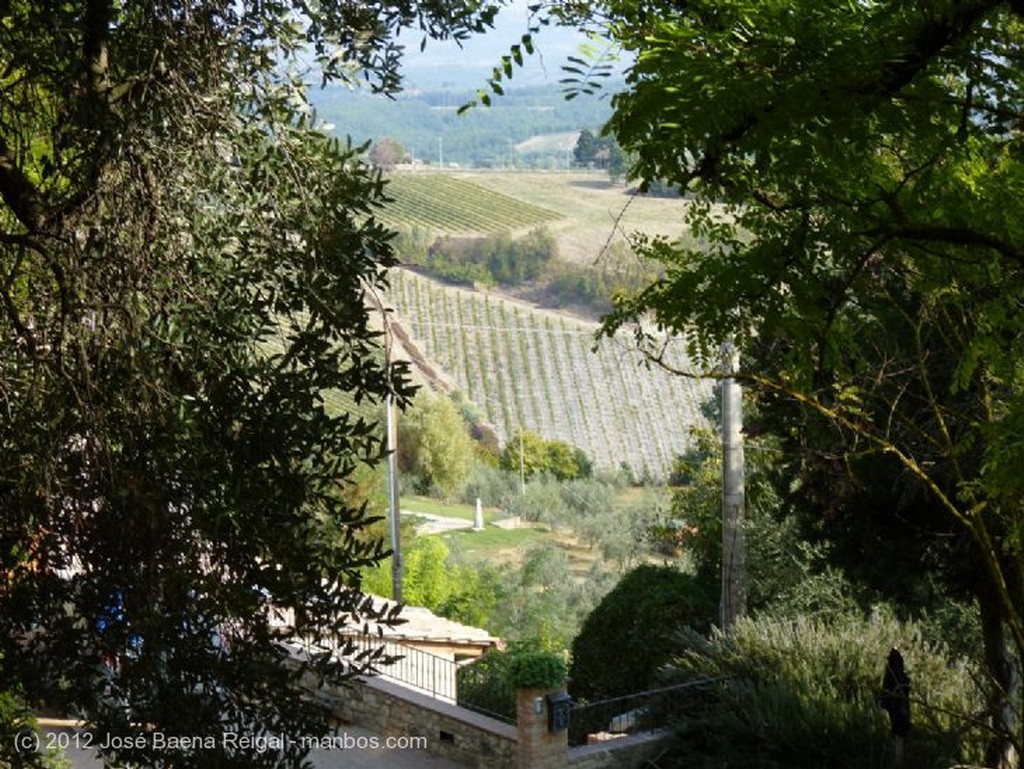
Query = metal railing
x=421 y=670
x=485 y=690
x=427 y=673
x=645 y=711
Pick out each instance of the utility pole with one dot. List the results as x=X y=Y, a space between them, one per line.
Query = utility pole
x=522 y=461
x=734 y=598
x=391 y=440
x=393 y=511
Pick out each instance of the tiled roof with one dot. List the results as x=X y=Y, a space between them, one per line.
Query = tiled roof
x=421 y=624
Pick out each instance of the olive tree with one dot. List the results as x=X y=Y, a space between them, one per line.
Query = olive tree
x=185 y=266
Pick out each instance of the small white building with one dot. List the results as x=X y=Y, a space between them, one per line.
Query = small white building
x=425 y=650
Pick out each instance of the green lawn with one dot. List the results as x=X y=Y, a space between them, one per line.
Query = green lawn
x=496 y=546
x=427 y=506
x=493 y=543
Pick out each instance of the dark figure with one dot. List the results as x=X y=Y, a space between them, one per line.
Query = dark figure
x=895 y=697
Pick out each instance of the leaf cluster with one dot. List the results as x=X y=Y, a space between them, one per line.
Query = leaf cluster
x=851 y=167
x=531 y=454
x=187 y=276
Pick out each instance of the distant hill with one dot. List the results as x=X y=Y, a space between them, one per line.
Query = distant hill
x=427 y=123
x=524 y=366
x=594 y=215
x=562 y=143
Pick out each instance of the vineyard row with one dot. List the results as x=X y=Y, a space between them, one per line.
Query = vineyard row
x=445 y=204
x=535 y=370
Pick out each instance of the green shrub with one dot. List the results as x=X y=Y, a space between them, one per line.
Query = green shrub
x=490 y=683
x=802 y=693
x=631 y=634
x=490 y=484
x=536 y=669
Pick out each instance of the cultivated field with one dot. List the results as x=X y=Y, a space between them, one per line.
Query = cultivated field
x=535 y=369
x=584 y=210
x=444 y=204
x=593 y=211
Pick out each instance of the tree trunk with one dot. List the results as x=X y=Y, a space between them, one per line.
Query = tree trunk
x=1004 y=682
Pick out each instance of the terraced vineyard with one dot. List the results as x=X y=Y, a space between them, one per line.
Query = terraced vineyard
x=445 y=204
x=536 y=369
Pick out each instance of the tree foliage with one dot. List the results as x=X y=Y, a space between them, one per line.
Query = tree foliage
x=386 y=153
x=599 y=152
x=435 y=444
x=184 y=268
x=854 y=171
x=531 y=454
x=496 y=259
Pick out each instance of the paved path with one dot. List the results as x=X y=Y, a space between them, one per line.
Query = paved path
x=437 y=524
x=350 y=747
x=515 y=523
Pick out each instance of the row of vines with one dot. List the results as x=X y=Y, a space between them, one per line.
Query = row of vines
x=446 y=204
x=536 y=370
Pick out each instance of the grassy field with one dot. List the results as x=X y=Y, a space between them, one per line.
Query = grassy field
x=427 y=506
x=497 y=546
x=593 y=211
x=493 y=544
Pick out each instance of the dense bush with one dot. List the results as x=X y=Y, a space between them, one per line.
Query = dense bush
x=486 y=445
x=631 y=634
x=593 y=286
x=491 y=485
x=803 y=693
x=539 y=501
x=587 y=497
x=536 y=669
x=433 y=579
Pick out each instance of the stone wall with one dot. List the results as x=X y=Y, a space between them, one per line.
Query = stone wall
x=630 y=752
x=451 y=732
x=476 y=741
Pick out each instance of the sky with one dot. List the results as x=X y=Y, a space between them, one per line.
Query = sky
x=444 y=63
